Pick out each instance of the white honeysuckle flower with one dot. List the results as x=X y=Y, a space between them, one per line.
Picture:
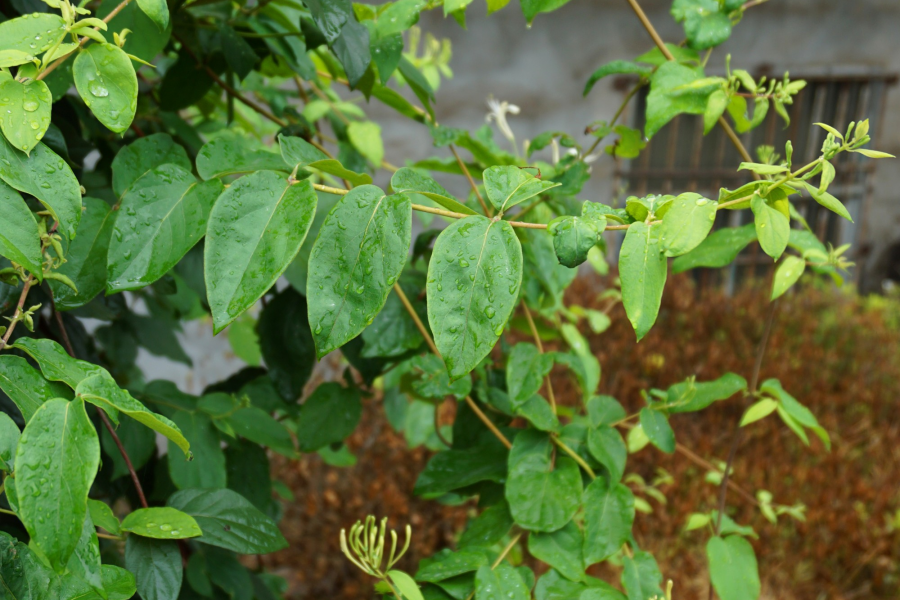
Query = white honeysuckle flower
x=497 y=114
x=554 y=147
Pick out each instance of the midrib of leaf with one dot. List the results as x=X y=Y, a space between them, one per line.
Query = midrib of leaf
x=92 y=244
x=511 y=194
x=353 y=270
x=478 y=268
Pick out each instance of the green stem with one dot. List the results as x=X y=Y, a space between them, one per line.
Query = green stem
x=562 y=446
x=618 y=114
x=8 y=512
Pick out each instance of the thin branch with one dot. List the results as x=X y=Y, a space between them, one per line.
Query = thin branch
x=5 y=341
x=472 y=183
x=581 y=463
x=618 y=114
x=540 y=347
x=506 y=550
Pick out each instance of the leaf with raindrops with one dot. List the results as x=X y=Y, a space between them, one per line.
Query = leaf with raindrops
x=473 y=285
x=358 y=255
x=106 y=81
x=32 y=34
x=24 y=112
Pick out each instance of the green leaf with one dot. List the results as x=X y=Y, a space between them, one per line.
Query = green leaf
x=446 y=564
x=24 y=575
x=656 y=427
x=156 y=565
x=588 y=369
x=500 y=583
x=84 y=562
x=733 y=568
x=573 y=237
x=453 y=469
x=717 y=250
x=604 y=410
x=873 y=153
x=143 y=155
x=229 y=521
x=358 y=255
x=690 y=396
x=177 y=206
x=56 y=462
x=106 y=81
x=366 y=137
x=616 y=67
x=608 y=516
x=157 y=10
x=641 y=577
x=541 y=496
x=538 y=412
x=773 y=228
x=244 y=340
x=526 y=368
x=762 y=169
x=102 y=516
x=233 y=154
x=643 y=269
x=25 y=386
x=27 y=112
x=86 y=259
x=21 y=33
x=715 y=107
x=207 y=467
x=531 y=8
x=393 y=332
x=286 y=343
x=473 y=283
x=298 y=152
x=687 y=223
x=828 y=201
x=20 y=240
x=118 y=582
x=55 y=362
x=507 y=186
x=759 y=410
x=488 y=528
x=9 y=440
x=406 y=585
x=665 y=102
x=407 y=180
x=258 y=426
x=797 y=411
x=255 y=229
x=561 y=549
x=787 y=274
x=162 y=523
x=329 y=415
x=606 y=445
x=47 y=177
x=429 y=379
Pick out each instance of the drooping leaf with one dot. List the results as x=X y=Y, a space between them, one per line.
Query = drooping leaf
x=207 y=468
x=641 y=577
x=510 y=185
x=686 y=224
x=358 y=255
x=162 y=523
x=642 y=269
x=156 y=565
x=473 y=283
x=608 y=516
x=616 y=67
x=85 y=262
x=328 y=416
x=102 y=516
x=56 y=462
x=733 y=568
x=229 y=521
x=787 y=274
x=561 y=549
x=47 y=177
x=26 y=112
x=717 y=250
x=407 y=180
x=525 y=372
x=20 y=240
x=773 y=228
x=106 y=81
x=119 y=583
x=255 y=229
x=573 y=237
x=287 y=343
x=656 y=427
x=541 y=496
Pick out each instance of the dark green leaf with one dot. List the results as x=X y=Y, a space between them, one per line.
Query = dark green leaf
x=55 y=362
x=286 y=343
x=238 y=53
x=27 y=112
x=641 y=577
x=604 y=410
x=489 y=527
x=22 y=573
x=717 y=250
x=25 y=386
x=143 y=155
x=656 y=427
x=258 y=426
x=151 y=40
x=328 y=416
x=407 y=180
x=207 y=468
x=226 y=572
x=562 y=550
x=453 y=469
x=249 y=473
x=573 y=237
x=446 y=564
x=607 y=446
x=608 y=516
x=86 y=259
x=500 y=583
x=616 y=67
x=106 y=81
x=393 y=332
x=233 y=154
x=20 y=241
x=538 y=412
x=156 y=565
x=9 y=440
x=643 y=268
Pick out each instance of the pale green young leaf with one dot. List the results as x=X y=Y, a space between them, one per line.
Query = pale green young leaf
x=656 y=427
x=47 y=177
x=20 y=240
x=162 y=523
x=106 y=81
x=664 y=103
x=641 y=576
x=590 y=366
x=686 y=224
x=206 y=469
x=9 y=441
x=510 y=185
x=366 y=137
x=542 y=496
x=328 y=416
x=407 y=180
x=573 y=237
x=715 y=106
x=176 y=207
x=772 y=228
x=793 y=425
x=831 y=130
x=27 y=112
x=562 y=549
x=643 y=268
x=828 y=201
x=86 y=259
x=156 y=565
x=691 y=396
x=231 y=154
x=157 y=10
x=406 y=585
x=762 y=169
x=473 y=284
x=501 y=583
x=718 y=249
x=56 y=461
x=606 y=445
x=873 y=153
x=14 y=58
x=25 y=386
x=759 y=410
x=525 y=372
x=102 y=516
x=33 y=33
x=733 y=568
x=229 y=521
x=608 y=516
x=255 y=229
x=797 y=411
x=787 y=274
x=143 y=155
x=358 y=255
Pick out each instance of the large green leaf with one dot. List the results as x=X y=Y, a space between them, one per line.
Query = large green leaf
x=641 y=577
x=667 y=99
x=103 y=391
x=489 y=527
x=428 y=380
x=33 y=33
x=500 y=583
x=9 y=441
x=286 y=343
x=232 y=154
x=156 y=565
x=542 y=496
x=55 y=362
x=106 y=81
x=525 y=372
x=510 y=185
x=573 y=238
x=686 y=224
x=616 y=67
x=733 y=568
x=473 y=285
x=642 y=269
x=162 y=523
x=86 y=259
x=328 y=416
x=47 y=177
x=20 y=240
x=229 y=521
x=141 y=156
x=22 y=574
x=773 y=228
x=717 y=250
x=393 y=332
x=56 y=462
x=358 y=255
x=608 y=516
x=561 y=549
x=157 y=10
x=26 y=112
x=160 y=218
x=119 y=583
x=788 y=273
x=25 y=386
x=207 y=468
x=255 y=229
x=407 y=180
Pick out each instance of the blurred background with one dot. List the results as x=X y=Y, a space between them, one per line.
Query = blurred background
x=835 y=349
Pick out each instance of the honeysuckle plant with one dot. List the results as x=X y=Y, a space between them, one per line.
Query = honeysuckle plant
x=214 y=161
